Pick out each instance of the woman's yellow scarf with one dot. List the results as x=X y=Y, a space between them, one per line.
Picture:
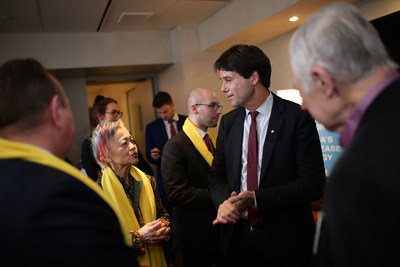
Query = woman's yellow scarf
x=113 y=188
x=194 y=136
x=16 y=150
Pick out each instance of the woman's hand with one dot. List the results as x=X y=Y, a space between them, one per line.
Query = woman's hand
x=154 y=232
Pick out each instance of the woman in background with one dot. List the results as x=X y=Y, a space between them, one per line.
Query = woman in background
x=132 y=190
x=105 y=109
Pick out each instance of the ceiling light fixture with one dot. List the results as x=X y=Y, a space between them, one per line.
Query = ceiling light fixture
x=293 y=19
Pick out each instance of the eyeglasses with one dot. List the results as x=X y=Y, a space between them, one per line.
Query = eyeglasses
x=115 y=113
x=214 y=106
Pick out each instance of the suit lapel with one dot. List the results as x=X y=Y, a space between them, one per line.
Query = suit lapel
x=180 y=122
x=163 y=131
x=236 y=142
x=274 y=126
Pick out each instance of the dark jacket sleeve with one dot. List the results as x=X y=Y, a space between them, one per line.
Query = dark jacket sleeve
x=150 y=142
x=217 y=177
x=180 y=175
x=297 y=169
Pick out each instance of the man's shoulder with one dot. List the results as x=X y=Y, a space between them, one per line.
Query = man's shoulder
x=33 y=175
x=286 y=104
x=182 y=117
x=180 y=139
x=234 y=113
x=155 y=123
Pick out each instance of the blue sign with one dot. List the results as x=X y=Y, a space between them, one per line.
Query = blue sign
x=331 y=149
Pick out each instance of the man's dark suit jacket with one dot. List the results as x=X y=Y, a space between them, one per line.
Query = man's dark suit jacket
x=292 y=176
x=361 y=226
x=49 y=218
x=185 y=179
x=156 y=136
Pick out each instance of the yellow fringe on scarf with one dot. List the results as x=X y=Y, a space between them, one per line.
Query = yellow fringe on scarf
x=16 y=150
x=113 y=188
x=190 y=130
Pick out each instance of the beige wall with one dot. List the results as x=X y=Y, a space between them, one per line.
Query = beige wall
x=76 y=92
x=85 y=50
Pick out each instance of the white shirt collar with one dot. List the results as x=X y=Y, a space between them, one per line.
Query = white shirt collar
x=265 y=108
x=174 y=118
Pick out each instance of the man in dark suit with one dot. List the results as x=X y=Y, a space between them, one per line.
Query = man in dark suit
x=355 y=90
x=158 y=132
x=52 y=214
x=268 y=167
x=185 y=164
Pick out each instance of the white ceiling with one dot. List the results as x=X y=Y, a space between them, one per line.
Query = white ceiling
x=35 y=16
x=63 y=16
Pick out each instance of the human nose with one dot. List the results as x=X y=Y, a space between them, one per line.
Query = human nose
x=223 y=88
x=132 y=146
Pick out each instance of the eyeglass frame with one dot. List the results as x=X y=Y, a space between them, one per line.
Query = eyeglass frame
x=115 y=113
x=214 y=106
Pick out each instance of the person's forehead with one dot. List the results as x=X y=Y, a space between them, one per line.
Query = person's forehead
x=227 y=73
x=164 y=108
x=121 y=132
x=112 y=106
x=210 y=98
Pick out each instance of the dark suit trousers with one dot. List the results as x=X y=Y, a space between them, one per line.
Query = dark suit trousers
x=247 y=246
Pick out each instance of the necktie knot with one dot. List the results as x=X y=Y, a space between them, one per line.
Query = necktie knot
x=253 y=115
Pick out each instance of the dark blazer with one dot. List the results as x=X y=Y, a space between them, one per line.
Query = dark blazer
x=52 y=219
x=361 y=225
x=156 y=136
x=292 y=176
x=185 y=179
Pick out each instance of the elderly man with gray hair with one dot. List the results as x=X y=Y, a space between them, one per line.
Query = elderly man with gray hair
x=350 y=84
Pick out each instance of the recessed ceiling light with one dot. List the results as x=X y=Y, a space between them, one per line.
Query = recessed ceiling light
x=294 y=18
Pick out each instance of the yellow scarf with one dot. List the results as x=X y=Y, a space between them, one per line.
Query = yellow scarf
x=113 y=188
x=16 y=150
x=194 y=136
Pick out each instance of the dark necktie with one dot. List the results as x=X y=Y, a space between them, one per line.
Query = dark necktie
x=252 y=162
x=171 y=125
x=208 y=143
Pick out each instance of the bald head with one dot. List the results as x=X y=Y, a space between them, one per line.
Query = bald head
x=196 y=96
x=203 y=108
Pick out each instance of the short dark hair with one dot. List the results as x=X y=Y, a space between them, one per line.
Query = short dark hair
x=100 y=106
x=245 y=59
x=26 y=90
x=161 y=99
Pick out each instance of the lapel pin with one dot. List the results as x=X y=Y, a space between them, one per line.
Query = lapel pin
x=272 y=131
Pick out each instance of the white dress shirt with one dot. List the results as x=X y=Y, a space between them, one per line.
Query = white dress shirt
x=262 y=120
x=175 y=118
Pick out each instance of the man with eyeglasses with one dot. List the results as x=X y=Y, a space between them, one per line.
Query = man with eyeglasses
x=186 y=160
x=268 y=167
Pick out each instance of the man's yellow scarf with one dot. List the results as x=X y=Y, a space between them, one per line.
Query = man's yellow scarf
x=16 y=150
x=194 y=136
x=113 y=188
